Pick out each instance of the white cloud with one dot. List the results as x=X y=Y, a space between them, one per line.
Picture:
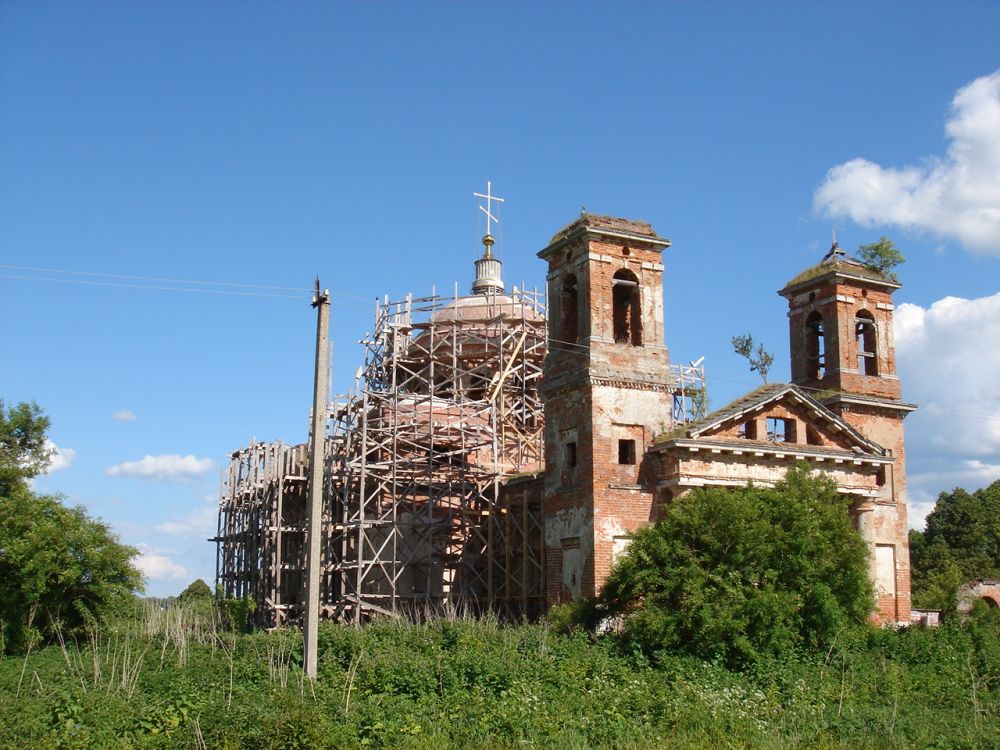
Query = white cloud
x=947 y=359
x=59 y=458
x=170 y=467
x=155 y=565
x=200 y=523
x=124 y=416
x=956 y=196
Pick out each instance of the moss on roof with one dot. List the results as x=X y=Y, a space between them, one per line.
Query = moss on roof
x=849 y=266
x=599 y=221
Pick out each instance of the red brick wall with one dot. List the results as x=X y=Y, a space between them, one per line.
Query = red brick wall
x=597 y=394
x=839 y=301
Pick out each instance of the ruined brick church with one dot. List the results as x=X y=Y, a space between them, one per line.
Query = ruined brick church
x=497 y=455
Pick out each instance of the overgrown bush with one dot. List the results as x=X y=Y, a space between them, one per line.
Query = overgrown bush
x=59 y=570
x=737 y=574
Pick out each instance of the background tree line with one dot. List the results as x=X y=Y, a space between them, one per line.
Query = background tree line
x=961 y=541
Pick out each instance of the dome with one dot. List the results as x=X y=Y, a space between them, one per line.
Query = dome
x=482 y=308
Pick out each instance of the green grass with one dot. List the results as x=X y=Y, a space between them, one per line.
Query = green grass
x=171 y=680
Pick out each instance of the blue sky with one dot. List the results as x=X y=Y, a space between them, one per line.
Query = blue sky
x=265 y=143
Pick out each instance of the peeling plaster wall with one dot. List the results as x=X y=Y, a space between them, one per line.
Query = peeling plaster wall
x=571 y=531
x=701 y=468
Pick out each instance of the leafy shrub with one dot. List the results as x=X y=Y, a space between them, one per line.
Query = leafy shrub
x=740 y=573
x=237 y=614
x=61 y=570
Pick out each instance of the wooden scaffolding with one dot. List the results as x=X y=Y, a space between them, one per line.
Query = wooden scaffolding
x=445 y=410
x=260 y=544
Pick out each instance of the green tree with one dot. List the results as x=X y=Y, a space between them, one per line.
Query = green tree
x=24 y=452
x=969 y=525
x=58 y=567
x=961 y=542
x=196 y=591
x=935 y=575
x=881 y=256
x=759 y=358
x=743 y=572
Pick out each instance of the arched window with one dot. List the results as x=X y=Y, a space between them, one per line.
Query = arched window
x=569 y=327
x=815 y=346
x=867 y=343
x=626 y=309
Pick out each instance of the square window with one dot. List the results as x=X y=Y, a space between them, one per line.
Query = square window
x=626 y=452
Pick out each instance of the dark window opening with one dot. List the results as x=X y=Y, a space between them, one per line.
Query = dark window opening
x=813 y=436
x=571 y=454
x=748 y=430
x=880 y=477
x=864 y=327
x=569 y=330
x=780 y=430
x=815 y=347
x=626 y=452
x=626 y=308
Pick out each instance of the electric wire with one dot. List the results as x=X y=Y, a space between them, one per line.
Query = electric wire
x=304 y=294
x=150 y=278
x=86 y=282
x=171 y=280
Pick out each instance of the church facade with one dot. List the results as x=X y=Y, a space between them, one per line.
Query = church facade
x=614 y=455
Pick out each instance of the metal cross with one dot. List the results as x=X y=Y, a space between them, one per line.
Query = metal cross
x=489 y=199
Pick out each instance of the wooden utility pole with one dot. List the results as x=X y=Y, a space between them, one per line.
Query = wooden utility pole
x=314 y=527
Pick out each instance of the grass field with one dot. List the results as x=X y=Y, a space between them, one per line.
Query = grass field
x=172 y=679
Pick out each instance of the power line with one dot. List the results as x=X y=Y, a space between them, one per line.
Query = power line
x=165 y=279
x=151 y=278
x=304 y=295
x=152 y=288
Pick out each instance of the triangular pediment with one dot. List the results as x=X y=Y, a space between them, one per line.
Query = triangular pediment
x=780 y=413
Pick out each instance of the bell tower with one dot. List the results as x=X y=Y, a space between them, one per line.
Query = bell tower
x=840 y=325
x=606 y=394
x=842 y=351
